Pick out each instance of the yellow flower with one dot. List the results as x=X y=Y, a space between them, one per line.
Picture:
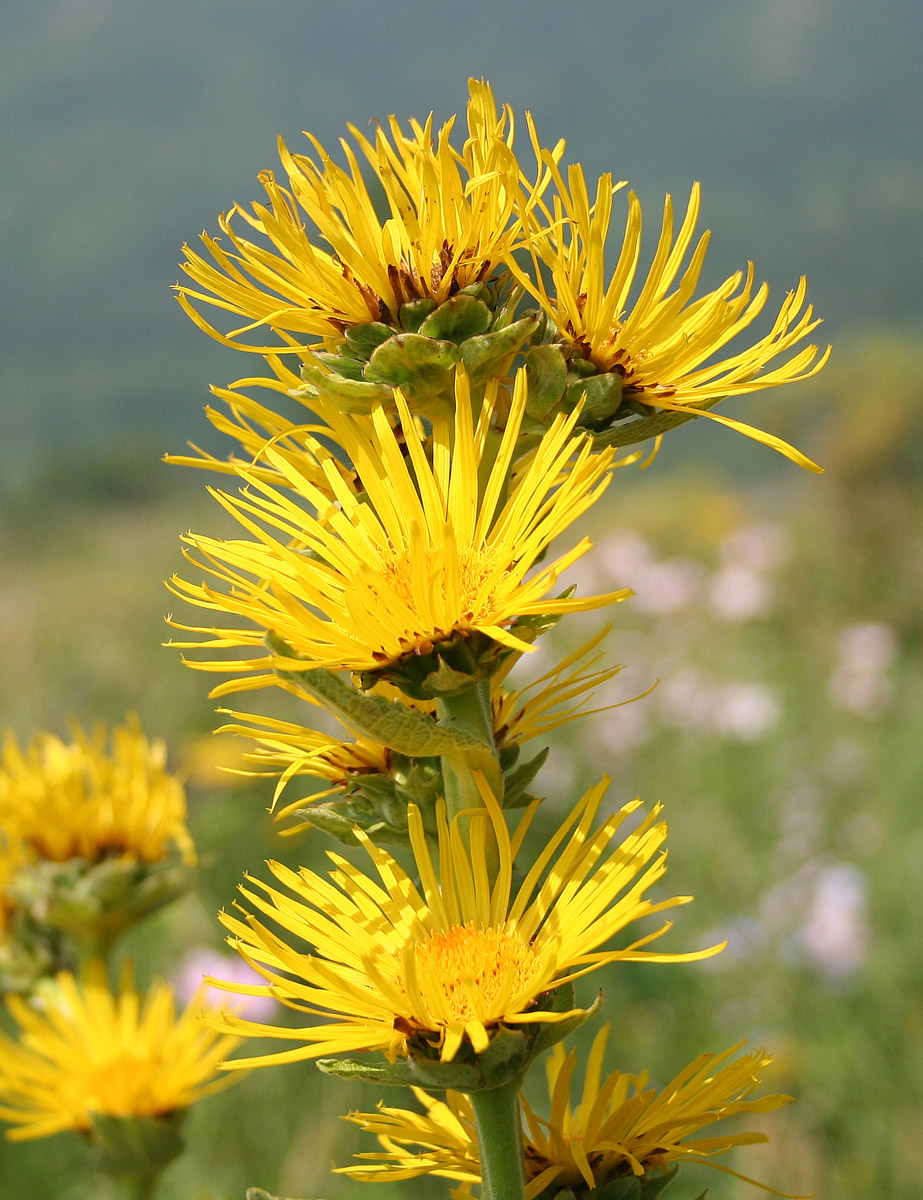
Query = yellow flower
x=13 y=855
x=427 y=553
x=447 y=964
x=89 y=1052
x=665 y=346
x=621 y=1127
x=79 y=799
x=451 y=221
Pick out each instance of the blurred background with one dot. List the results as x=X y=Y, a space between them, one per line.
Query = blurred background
x=780 y=611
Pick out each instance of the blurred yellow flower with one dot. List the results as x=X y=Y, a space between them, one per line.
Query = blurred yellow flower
x=13 y=855
x=80 y=799
x=429 y=551
x=452 y=961
x=451 y=222
x=665 y=346
x=84 y=1051
x=621 y=1127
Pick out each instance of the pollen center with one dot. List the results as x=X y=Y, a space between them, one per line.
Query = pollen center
x=438 y=592
x=476 y=971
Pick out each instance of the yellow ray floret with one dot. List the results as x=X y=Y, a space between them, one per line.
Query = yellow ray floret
x=82 y=799
x=427 y=553
x=666 y=344
x=621 y=1126
x=451 y=219
x=452 y=960
x=89 y=1052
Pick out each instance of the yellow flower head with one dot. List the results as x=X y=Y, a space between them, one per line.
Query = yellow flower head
x=87 y=1052
x=451 y=220
x=665 y=346
x=451 y=961
x=439 y=545
x=79 y=799
x=621 y=1127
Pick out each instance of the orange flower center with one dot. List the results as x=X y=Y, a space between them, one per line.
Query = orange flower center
x=474 y=969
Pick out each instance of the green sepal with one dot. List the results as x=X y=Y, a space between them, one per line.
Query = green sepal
x=629 y=433
x=421 y=365
x=549 y=1033
x=412 y=314
x=97 y=900
x=389 y=722
x=483 y=354
x=364 y=339
x=352 y=395
x=517 y=780
x=637 y=1187
x=510 y=1051
x=601 y=396
x=342 y=365
x=452 y=667
x=135 y=1145
x=546 y=371
x=457 y=319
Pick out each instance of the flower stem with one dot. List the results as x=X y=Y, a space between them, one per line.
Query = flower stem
x=499 y=1126
x=470 y=713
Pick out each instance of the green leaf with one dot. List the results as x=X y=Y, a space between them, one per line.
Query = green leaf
x=517 y=780
x=629 y=433
x=389 y=722
x=653 y=1185
x=396 y=1074
x=626 y=1187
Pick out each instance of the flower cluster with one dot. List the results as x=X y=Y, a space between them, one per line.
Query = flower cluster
x=451 y=376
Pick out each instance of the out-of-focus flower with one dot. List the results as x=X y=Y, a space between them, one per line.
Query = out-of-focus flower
x=428 y=555
x=80 y=799
x=621 y=1128
x=205 y=960
x=746 y=711
x=835 y=933
x=859 y=681
x=738 y=593
x=664 y=587
x=454 y=961
x=88 y=1052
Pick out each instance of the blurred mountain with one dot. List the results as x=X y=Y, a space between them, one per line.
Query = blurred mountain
x=126 y=128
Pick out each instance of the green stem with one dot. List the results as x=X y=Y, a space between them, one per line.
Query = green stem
x=499 y=1126
x=142 y=1186
x=470 y=712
